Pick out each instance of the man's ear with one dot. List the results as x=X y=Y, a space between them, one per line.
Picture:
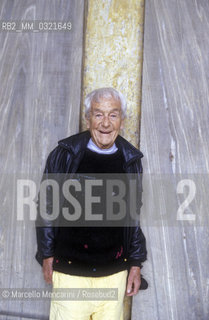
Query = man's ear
x=87 y=123
x=122 y=124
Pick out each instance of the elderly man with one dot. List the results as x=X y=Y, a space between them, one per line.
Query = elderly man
x=92 y=257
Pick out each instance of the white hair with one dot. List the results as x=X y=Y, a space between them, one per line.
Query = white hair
x=104 y=93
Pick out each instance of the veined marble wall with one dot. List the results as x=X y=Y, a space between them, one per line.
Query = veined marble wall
x=39 y=104
x=40 y=75
x=174 y=140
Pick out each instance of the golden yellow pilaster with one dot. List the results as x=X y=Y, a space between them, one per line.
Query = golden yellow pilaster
x=113 y=54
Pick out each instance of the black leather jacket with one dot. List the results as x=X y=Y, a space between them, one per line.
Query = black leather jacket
x=65 y=158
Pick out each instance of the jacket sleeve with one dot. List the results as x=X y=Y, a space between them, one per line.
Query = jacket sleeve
x=137 y=252
x=45 y=230
x=137 y=247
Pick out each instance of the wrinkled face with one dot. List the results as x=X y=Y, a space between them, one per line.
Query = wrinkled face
x=105 y=122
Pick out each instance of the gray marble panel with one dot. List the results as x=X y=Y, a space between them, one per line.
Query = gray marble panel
x=174 y=140
x=40 y=76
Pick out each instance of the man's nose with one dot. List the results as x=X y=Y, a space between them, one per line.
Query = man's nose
x=105 y=121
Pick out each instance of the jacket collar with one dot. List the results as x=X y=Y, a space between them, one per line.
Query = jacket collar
x=130 y=153
x=78 y=142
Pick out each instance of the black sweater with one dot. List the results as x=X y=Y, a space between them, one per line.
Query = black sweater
x=92 y=251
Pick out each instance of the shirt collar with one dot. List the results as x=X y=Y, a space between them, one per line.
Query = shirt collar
x=93 y=147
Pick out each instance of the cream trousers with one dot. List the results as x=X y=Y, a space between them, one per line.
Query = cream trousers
x=89 y=310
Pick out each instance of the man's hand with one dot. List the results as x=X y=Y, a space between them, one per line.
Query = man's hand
x=47 y=269
x=134 y=281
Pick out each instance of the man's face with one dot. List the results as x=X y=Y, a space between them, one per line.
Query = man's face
x=105 y=122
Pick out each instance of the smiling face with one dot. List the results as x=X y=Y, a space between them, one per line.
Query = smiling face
x=105 y=122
